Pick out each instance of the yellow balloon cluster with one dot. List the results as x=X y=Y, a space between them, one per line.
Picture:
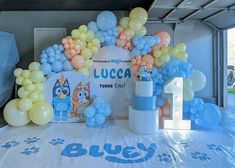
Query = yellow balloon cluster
x=134 y=24
x=162 y=55
x=30 y=94
x=86 y=40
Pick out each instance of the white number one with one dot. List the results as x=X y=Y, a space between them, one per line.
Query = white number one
x=174 y=90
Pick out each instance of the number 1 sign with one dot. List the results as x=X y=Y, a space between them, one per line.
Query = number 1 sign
x=174 y=90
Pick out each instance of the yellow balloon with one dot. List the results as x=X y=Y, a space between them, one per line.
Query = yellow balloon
x=90 y=35
x=86 y=53
x=41 y=113
x=17 y=72
x=41 y=97
x=187 y=83
x=171 y=51
x=82 y=36
x=142 y=31
x=75 y=33
x=131 y=32
x=84 y=70
x=124 y=22
x=135 y=25
x=157 y=53
x=80 y=43
x=24 y=104
x=34 y=66
x=94 y=50
x=23 y=93
x=164 y=58
x=40 y=87
x=181 y=47
x=37 y=76
x=139 y=14
x=19 y=80
x=188 y=94
x=96 y=42
x=14 y=116
x=83 y=28
x=34 y=96
x=181 y=55
x=26 y=82
x=30 y=87
x=25 y=74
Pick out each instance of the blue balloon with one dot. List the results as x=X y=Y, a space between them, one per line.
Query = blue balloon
x=99 y=119
x=67 y=66
x=46 y=68
x=90 y=122
x=57 y=66
x=161 y=101
x=210 y=116
x=92 y=26
x=106 y=20
x=135 y=52
x=89 y=111
x=107 y=110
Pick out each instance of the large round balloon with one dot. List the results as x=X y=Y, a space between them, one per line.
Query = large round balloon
x=106 y=20
x=14 y=116
x=165 y=38
x=210 y=115
x=41 y=113
x=198 y=80
x=139 y=14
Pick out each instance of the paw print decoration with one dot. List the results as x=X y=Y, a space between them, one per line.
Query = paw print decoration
x=200 y=156
x=165 y=158
x=32 y=140
x=29 y=151
x=57 y=141
x=10 y=144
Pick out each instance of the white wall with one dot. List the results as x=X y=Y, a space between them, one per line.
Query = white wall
x=197 y=36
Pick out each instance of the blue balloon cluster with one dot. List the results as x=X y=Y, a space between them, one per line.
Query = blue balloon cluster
x=193 y=108
x=53 y=60
x=203 y=114
x=97 y=112
x=105 y=28
x=173 y=68
x=143 y=44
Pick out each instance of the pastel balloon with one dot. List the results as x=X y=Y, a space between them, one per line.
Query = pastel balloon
x=37 y=76
x=34 y=66
x=30 y=87
x=92 y=26
x=26 y=82
x=19 y=80
x=135 y=25
x=17 y=72
x=210 y=115
x=46 y=68
x=40 y=87
x=188 y=94
x=142 y=31
x=57 y=66
x=106 y=20
x=181 y=47
x=77 y=61
x=22 y=92
x=41 y=113
x=198 y=80
x=124 y=22
x=165 y=38
x=25 y=73
x=148 y=59
x=86 y=53
x=14 y=116
x=139 y=14
x=24 y=104
x=34 y=96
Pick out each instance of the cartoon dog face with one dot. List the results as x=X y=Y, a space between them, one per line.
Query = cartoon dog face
x=61 y=88
x=81 y=94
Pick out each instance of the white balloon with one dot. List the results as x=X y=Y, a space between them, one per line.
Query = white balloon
x=198 y=80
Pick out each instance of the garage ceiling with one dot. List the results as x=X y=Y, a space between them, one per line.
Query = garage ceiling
x=219 y=14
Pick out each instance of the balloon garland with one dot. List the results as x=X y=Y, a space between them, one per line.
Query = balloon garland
x=76 y=51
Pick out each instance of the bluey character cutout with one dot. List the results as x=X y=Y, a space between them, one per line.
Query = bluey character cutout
x=81 y=99
x=61 y=99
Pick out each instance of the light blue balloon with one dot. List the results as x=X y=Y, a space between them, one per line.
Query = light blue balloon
x=90 y=122
x=46 y=68
x=107 y=110
x=157 y=39
x=210 y=116
x=63 y=58
x=135 y=52
x=57 y=66
x=61 y=47
x=55 y=46
x=43 y=60
x=67 y=66
x=99 y=119
x=106 y=20
x=161 y=101
x=99 y=100
x=89 y=111
x=51 y=60
x=44 y=55
x=92 y=26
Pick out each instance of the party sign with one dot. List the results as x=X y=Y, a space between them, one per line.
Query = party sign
x=111 y=72
x=69 y=93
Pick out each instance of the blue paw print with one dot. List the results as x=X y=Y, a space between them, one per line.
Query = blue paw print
x=57 y=141
x=10 y=144
x=32 y=140
x=164 y=157
x=29 y=151
x=216 y=148
x=200 y=156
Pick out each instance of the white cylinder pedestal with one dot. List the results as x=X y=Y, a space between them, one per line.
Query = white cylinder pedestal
x=143 y=122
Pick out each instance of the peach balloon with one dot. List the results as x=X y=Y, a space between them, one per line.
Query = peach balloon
x=77 y=61
x=134 y=69
x=148 y=59
x=165 y=38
